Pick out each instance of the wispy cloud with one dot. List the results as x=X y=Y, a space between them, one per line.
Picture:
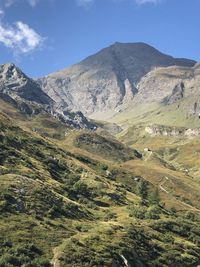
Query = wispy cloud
x=20 y=37
x=142 y=2
x=9 y=3
x=88 y=3
x=80 y=3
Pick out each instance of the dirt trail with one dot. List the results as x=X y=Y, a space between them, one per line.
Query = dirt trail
x=55 y=261
x=161 y=186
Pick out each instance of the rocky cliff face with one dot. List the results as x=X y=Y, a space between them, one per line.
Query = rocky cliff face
x=26 y=95
x=17 y=85
x=171 y=85
x=108 y=80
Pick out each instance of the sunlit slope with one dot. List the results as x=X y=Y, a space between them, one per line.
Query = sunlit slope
x=171 y=156
x=153 y=113
x=60 y=208
x=166 y=96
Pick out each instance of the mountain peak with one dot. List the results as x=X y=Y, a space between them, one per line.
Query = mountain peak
x=134 y=44
x=9 y=70
x=15 y=83
x=107 y=80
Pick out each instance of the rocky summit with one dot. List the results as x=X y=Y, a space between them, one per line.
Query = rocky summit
x=14 y=83
x=107 y=81
x=24 y=93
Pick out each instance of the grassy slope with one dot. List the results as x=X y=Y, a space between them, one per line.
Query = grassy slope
x=43 y=124
x=154 y=113
x=64 y=206
x=178 y=153
x=105 y=147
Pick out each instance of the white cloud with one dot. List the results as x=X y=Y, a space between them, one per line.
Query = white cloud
x=141 y=2
x=84 y=3
x=20 y=37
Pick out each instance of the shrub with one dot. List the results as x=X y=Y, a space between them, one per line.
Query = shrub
x=80 y=188
x=142 y=189
x=190 y=215
x=138 y=212
x=154 y=197
x=153 y=213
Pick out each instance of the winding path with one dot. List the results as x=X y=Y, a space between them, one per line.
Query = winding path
x=161 y=186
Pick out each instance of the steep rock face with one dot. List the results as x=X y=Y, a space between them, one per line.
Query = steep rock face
x=16 y=84
x=170 y=85
x=107 y=80
x=26 y=95
x=177 y=94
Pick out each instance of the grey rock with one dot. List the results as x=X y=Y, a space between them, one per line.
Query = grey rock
x=16 y=84
x=107 y=81
x=170 y=85
x=160 y=130
x=177 y=94
x=26 y=95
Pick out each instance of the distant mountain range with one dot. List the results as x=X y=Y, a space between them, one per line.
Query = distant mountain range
x=108 y=81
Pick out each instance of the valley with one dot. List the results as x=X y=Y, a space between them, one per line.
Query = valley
x=100 y=163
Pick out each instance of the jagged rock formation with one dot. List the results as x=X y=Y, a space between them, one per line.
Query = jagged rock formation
x=25 y=94
x=106 y=81
x=14 y=83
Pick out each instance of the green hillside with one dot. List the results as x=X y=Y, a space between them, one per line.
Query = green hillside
x=62 y=206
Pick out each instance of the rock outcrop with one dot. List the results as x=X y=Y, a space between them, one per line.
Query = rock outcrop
x=160 y=130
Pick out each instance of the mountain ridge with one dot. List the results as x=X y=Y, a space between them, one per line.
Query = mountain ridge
x=107 y=80
x=25 y=94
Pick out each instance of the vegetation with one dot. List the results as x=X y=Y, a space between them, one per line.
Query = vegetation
x=61 y=204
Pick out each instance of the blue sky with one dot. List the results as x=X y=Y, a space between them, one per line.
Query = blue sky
x=42 y=36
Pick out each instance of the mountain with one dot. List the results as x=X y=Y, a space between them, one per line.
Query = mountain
x=166 y=96
x=106 y=81
x=24 y=93
x=72 y=194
